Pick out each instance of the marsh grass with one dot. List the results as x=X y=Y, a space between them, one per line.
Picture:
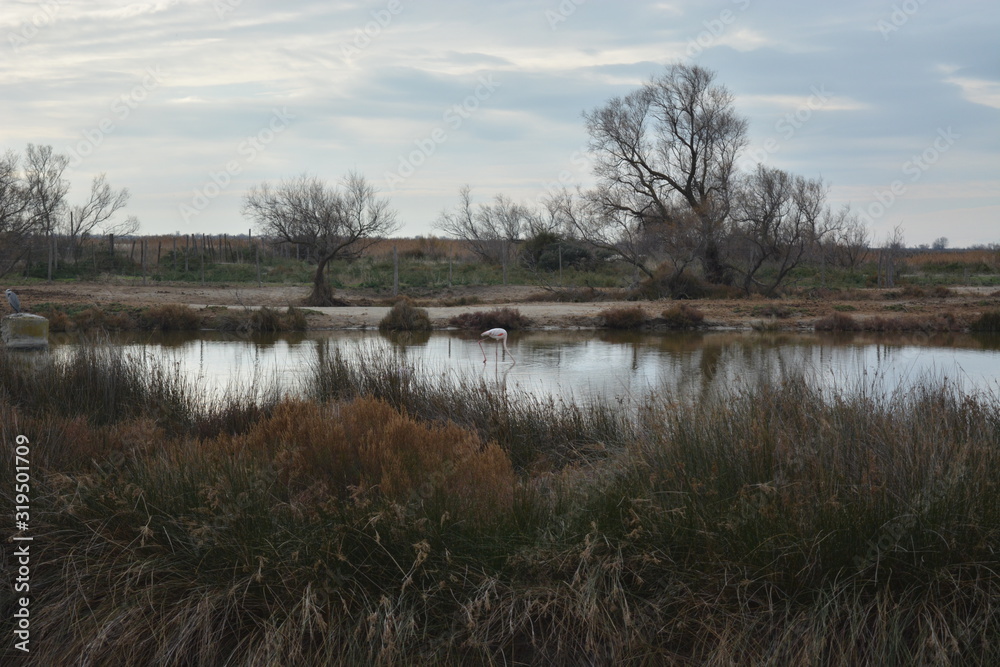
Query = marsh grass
x=260 y=320
x=527 y=426
x=171 y=317
x=682 y=316
x=391 y=516
x=626 y=317
x=938 y=322
x=987 y=322
x=507 y=318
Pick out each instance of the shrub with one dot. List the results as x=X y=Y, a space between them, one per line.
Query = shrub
x=569 y=294
x=101 y=318
x=988 y=322
x=930 y=323
x=262 y=320
x=767 y=325
x=836 y=322
x=631 y=317
x=58 y=320
x=686 y=285
x=460 y=301
x=173 y=317
x=295 y=319
x=404 y=316
x=547 y=252
x=510 y=319
x=366 y=448
x=773 y=310
x=682 y=316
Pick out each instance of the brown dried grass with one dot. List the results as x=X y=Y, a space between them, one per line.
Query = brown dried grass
x=365 y=447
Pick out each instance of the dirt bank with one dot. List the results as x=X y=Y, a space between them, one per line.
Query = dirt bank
x=368 y=308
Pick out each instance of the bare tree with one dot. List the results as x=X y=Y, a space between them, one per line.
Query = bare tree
x=609 y=229
x=491 y=230
x=852 y=239
x=667 y=148
x=102 y=204
x=46 y=193
x=333 y=223
x=15 y=221
x=647 y=245
x=892 y=249
x=129 y=225
x=777 y=218
x=461 y=224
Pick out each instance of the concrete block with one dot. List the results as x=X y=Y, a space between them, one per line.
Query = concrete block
x=24 y=331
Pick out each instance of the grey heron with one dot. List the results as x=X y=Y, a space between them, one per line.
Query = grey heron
x=15 y=303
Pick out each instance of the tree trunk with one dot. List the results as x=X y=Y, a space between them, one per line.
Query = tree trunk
x=322 y=294
x=715 y=269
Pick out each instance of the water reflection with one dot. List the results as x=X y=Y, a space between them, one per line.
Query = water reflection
x=582 y=365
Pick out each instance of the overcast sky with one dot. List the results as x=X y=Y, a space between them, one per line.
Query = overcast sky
x=895 y=104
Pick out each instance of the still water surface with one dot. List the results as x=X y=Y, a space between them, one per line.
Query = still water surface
x=588 y=365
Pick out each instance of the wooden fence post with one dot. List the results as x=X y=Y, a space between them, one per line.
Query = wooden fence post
x=395 y=271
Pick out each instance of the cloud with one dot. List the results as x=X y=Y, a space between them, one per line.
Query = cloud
x=978 y=91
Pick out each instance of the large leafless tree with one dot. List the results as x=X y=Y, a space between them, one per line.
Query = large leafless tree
x=665 y=156
x=332 y=222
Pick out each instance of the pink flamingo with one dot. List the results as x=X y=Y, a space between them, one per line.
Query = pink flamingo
x=500 y=336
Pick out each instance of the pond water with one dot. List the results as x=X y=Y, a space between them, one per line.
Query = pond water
x=584 y=365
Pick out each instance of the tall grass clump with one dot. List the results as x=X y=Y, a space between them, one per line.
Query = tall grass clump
x=938 y=322
x=262 y=320
x=173 y=317
x=837 y=322
x=682 y=316
x=530 y=428
x=987 y=322
x=404 y=316
x=510 y=319
x=629 y=317
x=363 y=447
x=97 y=380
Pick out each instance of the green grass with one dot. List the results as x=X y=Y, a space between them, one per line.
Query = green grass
x=395 y=516
x=424 y=270
x=364 y=273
